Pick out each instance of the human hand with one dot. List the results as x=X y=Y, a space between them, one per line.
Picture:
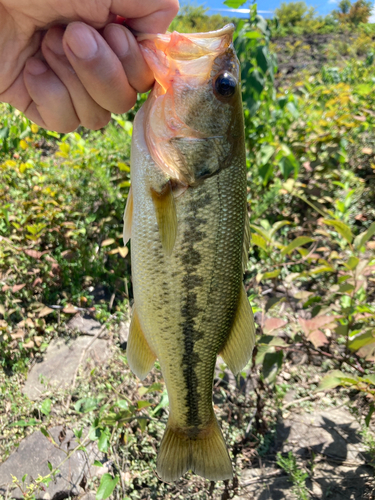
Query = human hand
x=61 y=78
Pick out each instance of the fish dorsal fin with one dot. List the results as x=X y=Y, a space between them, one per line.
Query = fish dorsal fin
x=239 y=345
x=246 y=242
x=166 y=216
x=140 y=357
x=128 y=217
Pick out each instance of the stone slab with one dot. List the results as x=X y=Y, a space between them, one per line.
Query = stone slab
x=84 y=324
x=32 y=457
x=333 y=433
x=60 y=363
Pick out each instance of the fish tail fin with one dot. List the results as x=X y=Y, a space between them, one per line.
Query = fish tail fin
x=206 y=454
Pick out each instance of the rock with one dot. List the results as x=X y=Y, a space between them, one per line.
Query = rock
x=84 y=324
x=333 y=433
x=124 y=334
x=32 y=457
x=60 y=363
x=339 y=469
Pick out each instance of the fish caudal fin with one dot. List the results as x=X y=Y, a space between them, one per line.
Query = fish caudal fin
x=206 y=455
x=239 y=345
x=140 y=357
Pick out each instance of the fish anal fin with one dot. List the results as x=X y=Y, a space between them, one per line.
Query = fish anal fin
x=166 y=216
x=206 y=454
x=140 y=357
x=128 y=217
x=239 y=345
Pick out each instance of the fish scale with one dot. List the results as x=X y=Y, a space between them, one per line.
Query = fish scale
x=187 y=245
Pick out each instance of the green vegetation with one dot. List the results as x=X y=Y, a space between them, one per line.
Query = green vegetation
x=311 y=275
x=296 y=475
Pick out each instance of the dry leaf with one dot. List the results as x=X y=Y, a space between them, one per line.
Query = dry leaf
x=19 y=334
x=273 y=324
x=34 y=254
x=311 y=328
x=38 y=341
x=108 y=242
x=123 y=251
x=17 y=288
x=45 y=311
x=2 y=310
x=36 y=282
x=29 y=345
x=70 y=309
x=367 y=151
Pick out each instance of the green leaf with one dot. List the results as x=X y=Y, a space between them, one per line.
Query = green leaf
x=261 y=231
x=361 y=340
x=142 y=421
x=85 y=405
x=346 y=288
x=342 y=228
x=258 y=240
x=24 y=423
x=103 y=442
x=351 y=263
x=262 y=57
x=45 y=433
x=369 y=414
x=370 y=379
x=363 y=238
x=321 y=269
x=97 y=463
x=272 y=365
x=143 y=404
x=122 y=404
x=265 y=153
x=296 y=243
x=106 y=486
x=252 y=34
x=4 y=132
x=331 y=380
x=50 y=466
x=364 y=89
x=24 y=478
x=234 y=4
x=46 y=407
x=286 y=166
x=271 y=274
x=256 y=81
x=278 y=225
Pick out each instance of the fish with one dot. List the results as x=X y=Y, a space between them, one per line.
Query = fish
x=186 y=216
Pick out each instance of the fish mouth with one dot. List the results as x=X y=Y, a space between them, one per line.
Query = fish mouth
x=228 y=29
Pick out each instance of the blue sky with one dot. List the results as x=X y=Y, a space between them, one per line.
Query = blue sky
x=322 y=6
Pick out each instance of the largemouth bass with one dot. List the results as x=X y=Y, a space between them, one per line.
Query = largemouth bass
x=187 y=218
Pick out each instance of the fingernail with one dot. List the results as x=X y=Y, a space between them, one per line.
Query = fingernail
x=54 y=42
x=118 y=41
x=36 y=67
x=81 y=41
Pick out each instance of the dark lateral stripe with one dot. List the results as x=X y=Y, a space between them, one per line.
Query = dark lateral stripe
x=191 y=260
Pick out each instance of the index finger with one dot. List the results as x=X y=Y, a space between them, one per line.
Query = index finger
x=146 y=16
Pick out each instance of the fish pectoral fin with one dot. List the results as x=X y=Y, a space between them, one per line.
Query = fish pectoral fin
x=128 y=218
x=140 y=357
x=239 y=345
x=166 y=216
x=206 y=455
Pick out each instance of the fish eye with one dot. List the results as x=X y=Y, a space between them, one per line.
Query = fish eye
x=225 y=84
